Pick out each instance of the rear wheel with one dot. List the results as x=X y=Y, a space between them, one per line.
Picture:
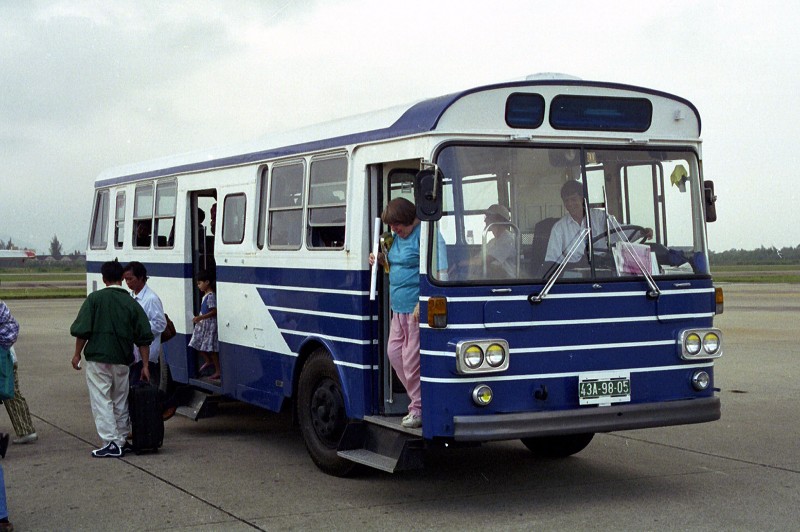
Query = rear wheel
x=321 y=413
x=558 y=446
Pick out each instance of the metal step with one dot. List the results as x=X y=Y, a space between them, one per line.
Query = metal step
x=387 y=447
x=201 y=404
x=371 y=459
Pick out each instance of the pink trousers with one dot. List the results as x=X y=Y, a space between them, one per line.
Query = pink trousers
x=403 y=351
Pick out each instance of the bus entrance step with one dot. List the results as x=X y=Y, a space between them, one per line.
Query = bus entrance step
x=200 y=405
x=381 y=447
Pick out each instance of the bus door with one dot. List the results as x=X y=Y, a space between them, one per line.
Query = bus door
x=396 y=180
x=202 y=225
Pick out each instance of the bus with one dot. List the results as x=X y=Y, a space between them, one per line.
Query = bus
x=615 y=333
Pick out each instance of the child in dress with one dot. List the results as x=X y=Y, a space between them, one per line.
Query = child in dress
x=204 y=337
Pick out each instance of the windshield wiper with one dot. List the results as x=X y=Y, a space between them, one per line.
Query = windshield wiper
x=576 y=244
x=654 y=291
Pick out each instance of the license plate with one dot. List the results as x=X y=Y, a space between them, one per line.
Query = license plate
x=603 y=388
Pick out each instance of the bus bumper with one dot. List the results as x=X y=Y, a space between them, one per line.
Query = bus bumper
x=585 y=420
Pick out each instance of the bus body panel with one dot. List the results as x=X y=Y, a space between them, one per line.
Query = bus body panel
x=277 y=306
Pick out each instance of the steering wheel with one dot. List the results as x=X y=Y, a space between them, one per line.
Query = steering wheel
x=635 y=233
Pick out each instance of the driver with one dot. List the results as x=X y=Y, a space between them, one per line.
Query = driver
x=566 y=230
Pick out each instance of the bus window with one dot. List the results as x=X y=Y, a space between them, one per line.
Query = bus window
x=166 y=198
x=286 y=207
x=233 y=215
x=143 y=216
x=100 y=221
x=262 y=210
x=119 y=220
x=327 y=195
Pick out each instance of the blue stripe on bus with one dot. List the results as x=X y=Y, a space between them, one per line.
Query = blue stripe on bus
x=178 y=270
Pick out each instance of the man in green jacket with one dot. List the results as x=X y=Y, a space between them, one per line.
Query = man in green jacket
x=109 y=323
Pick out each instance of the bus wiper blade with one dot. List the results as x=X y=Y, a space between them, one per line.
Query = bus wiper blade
x=654 y=291
x=576 y=244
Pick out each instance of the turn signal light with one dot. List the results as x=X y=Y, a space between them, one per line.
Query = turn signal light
x=437 y=312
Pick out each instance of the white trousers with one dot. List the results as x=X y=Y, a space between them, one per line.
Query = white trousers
x=108 y=394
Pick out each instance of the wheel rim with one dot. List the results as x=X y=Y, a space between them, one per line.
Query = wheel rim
x=327 y=412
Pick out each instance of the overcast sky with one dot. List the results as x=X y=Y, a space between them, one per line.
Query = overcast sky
x=96 y=84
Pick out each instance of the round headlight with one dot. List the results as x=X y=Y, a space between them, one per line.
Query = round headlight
x=482 y=395
x=700 y=380
x=495 y=355
x=473 y=357
x=692 y=343
x=711 y=343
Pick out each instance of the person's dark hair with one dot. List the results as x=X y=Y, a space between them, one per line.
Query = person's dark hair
x=399 y=211
x=137 y=269
x=111 y=271
x=571 y=187
x=204 y=275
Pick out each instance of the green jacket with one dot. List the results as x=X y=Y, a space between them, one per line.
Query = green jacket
x=111 y=321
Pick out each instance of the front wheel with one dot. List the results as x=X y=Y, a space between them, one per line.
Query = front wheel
x=558 y=446
x=321 y=413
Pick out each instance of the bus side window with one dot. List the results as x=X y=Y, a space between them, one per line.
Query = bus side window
x=233 y=217
x=286 y=206
x=166 y=199
x=119 y=220
x=143 y=216
x=100 y=220
x=327 y=198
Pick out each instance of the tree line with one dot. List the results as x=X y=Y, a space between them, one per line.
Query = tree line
x=56 y=249
x=762 y=255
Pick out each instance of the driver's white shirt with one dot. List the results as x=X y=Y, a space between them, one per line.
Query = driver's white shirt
x=566 y=230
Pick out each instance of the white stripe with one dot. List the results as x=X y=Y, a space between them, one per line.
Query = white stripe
x=588 y=321
x=355 y=366
x=554 y=348
x=500 y=378
x=588 y=295
x=328 y=337
x=310 y=289
x=358 y=317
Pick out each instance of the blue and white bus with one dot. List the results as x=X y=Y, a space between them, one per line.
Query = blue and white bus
x=616 y=333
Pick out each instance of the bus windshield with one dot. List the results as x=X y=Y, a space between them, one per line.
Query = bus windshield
x=517 y=213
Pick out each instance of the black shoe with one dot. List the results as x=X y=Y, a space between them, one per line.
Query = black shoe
x=111 y=450
x=4 y=444
x=127 y=448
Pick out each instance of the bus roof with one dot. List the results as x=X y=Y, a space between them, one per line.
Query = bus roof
x=416 y=118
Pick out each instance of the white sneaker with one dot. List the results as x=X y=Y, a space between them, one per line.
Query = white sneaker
x=412 y=421
x=28 y=438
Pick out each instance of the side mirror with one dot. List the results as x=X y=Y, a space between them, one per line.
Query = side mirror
x=710 y=201
x=428 y=194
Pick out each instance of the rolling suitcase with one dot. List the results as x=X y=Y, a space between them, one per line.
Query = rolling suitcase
x=144 y=404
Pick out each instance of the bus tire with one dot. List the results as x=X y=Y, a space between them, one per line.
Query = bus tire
x=321 y=413
x=558 y=446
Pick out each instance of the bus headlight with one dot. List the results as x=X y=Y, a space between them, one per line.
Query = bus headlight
x=711 y=343
x=700 y=381
x=481 y=356
x=473 y=357
x=700 y=344
x=482 y=395
x=495 y=355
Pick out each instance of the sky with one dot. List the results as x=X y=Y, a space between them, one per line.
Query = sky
x=90 y=85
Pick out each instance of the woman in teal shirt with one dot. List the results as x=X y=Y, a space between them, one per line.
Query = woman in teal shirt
x=403 y=258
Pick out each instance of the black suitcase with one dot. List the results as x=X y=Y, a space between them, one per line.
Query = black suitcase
x=145 y=406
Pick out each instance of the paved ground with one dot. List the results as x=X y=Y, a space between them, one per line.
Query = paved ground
x=247 y=469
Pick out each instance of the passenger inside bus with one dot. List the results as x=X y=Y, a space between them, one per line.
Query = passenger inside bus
x=501 y=250
x=144 y=229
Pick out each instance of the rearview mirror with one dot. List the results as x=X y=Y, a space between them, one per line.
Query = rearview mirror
x=710 y=201
x=428 y=194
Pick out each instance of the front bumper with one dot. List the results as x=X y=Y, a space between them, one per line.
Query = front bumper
x=585 y=420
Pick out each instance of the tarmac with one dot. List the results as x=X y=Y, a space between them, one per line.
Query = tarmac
x=247 y=469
